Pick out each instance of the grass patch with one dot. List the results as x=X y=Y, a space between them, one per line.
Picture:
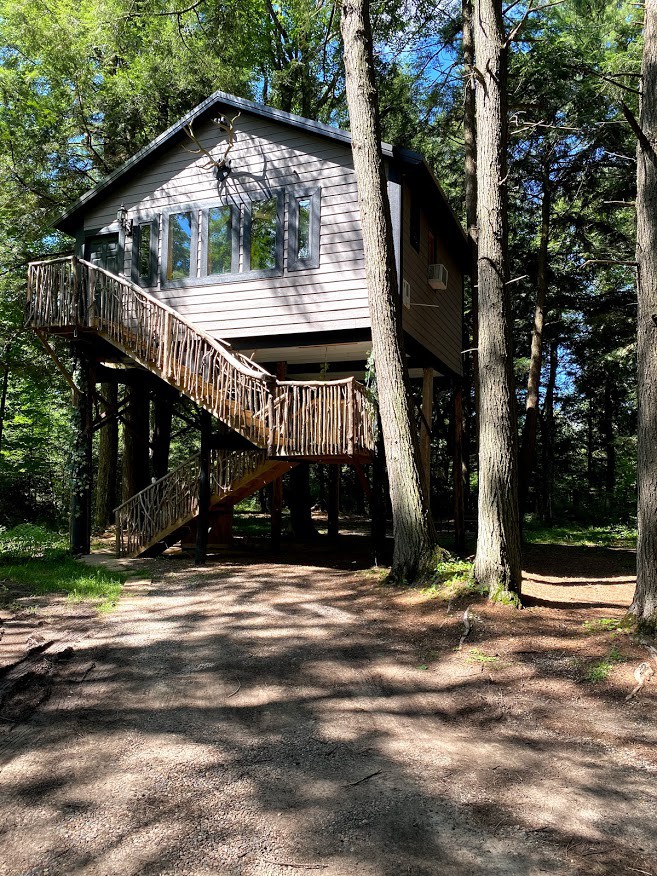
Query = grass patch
x=616 y=535
x=601 y=670
x=28 y=541
x=453 y=579
x=490 y=660
x=605 y=625
x=36 y=577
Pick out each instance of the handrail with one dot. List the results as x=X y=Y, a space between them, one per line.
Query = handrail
x=236 y=359
x=325 y=418
x=165 y=505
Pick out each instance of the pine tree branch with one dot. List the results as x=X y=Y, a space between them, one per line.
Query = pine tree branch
x=644 y=142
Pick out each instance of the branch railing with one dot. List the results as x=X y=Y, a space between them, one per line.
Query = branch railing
x=288 y=418
x=166 y=504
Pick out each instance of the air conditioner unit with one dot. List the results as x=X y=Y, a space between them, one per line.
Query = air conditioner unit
x=438 y=275
x=406 y=293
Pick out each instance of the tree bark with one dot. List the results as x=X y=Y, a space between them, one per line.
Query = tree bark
x=135 y=441
x=497 y=562
x=644 y=605
x=547 y=433
x=412 y=527
x=108 y=449
x=3 y=397
x=81 y=460
x=610 y=447
x=530 y=429
x=334 y=501
x=470 y=168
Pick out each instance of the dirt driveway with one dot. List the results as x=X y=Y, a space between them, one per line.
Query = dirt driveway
x=266 y=719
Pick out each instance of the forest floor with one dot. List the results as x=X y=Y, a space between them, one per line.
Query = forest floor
x=268 y=716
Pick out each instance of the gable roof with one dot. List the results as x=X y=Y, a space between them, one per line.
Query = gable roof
x=68 y=220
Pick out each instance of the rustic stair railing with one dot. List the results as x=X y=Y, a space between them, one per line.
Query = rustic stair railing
x=287 y=418
x=168 y=503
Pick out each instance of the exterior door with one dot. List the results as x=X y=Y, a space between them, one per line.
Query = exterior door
x=103 y=251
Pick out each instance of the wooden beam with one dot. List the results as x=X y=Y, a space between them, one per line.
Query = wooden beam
x=333 y=501
x=277 y=485
x=425 y=433
x=68 y=377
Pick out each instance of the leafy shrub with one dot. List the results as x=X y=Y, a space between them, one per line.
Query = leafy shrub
x=28 y=541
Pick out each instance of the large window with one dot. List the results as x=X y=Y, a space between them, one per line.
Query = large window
x=179 y=254
x=303 y=229
x=263 y=236
x=220 y=240
x=144 y=252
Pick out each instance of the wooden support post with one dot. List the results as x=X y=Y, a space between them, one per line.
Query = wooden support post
x=82 y=475
x=277 y=485
x=458 y=470
x=425 y=434
x=276 y=513
x=333 y=500
x=203 y=521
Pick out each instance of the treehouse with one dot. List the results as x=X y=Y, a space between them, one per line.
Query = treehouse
x=224 y=262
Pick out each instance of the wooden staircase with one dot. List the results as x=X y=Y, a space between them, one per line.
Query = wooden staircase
x=284 y=421
x=153 y=519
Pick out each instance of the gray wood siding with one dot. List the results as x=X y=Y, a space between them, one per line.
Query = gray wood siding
x=437 y=328
x=266 y=156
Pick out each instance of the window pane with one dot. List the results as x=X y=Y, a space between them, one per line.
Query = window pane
x=263 y=234
x=220 y=240
x=144 y=255
x=180 y=246
x=303 y=228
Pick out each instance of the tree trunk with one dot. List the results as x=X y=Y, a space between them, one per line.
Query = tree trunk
x=547 y=434
x=528 y=451
x=610 y=447
x=3 y=397
x=470 y=168
x=590 y=478
x=108 y=449
x=644 y=605
x=412 y=527
x=135 y=441
x=497 y=562
x=81 y=459
x=162 y=417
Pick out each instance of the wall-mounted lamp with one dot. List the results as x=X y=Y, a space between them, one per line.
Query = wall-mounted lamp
x=122 y=219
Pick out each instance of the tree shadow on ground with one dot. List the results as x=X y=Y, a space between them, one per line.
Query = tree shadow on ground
x=265 y=718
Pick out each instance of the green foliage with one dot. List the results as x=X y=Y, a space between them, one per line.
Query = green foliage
x=63 y=575
x=602 y=669
x=28 y=541
x=492 y=661
x=614 y=535
x=453 y=580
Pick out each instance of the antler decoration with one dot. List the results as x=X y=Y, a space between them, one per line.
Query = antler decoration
x=222 y=166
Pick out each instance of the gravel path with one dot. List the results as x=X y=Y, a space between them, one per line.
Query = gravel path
x=266 y=719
